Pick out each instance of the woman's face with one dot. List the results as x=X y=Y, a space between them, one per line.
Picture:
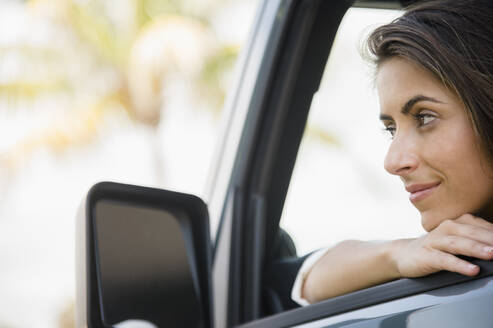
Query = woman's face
x=434 y=148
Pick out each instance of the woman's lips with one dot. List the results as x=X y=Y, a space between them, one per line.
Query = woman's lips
x=419 y=192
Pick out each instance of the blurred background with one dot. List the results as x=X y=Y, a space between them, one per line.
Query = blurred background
x=132 y=91
x=92 y=90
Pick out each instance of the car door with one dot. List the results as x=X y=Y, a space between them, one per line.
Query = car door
x=282 y=66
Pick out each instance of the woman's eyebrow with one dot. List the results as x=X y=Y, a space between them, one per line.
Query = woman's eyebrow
x=385 y=117
x=411 y=102
x=409 y=105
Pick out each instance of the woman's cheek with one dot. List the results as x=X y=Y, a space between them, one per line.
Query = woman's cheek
x=446 y=158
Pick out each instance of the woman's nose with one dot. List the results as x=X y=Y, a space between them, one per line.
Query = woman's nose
x=401 y=158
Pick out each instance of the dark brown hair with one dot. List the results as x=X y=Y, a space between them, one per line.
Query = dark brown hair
x=452 y=39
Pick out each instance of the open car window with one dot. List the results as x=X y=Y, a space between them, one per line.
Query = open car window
x=339 y=189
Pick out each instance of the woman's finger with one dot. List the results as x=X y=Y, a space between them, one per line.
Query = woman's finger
x=469 y=231
x=475 y=220
x=449 y=262
x=463 y=246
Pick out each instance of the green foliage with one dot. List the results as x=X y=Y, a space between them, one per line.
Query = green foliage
x=93 y=26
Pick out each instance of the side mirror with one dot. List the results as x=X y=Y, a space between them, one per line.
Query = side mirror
x=143 y=259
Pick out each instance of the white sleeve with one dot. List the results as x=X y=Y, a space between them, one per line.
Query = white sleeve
x=301 y=276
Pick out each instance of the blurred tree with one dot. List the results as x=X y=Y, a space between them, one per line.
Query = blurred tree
x=98 y=59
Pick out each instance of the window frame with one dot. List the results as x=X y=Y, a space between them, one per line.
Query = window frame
x=293 y=57
x=290 y=74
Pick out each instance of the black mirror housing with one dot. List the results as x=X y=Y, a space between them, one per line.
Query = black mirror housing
x=143 y=256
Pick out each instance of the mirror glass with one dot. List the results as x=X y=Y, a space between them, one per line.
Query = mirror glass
x=145 y=267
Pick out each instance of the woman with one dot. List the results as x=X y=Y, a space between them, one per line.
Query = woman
x=435 y=84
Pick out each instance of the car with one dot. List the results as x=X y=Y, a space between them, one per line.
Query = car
x=146 y=256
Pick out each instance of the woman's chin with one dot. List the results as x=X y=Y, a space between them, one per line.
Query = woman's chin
x=427 y=222
x=430 y=219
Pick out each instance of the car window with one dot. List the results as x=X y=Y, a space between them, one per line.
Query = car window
x=339 y=189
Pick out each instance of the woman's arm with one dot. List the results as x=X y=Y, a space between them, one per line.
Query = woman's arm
x=353 y=265
x=349 y=266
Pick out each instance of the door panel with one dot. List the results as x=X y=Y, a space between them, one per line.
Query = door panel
x=460 y=304
x=463 y=305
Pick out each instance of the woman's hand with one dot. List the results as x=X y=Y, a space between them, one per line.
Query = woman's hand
x=467 y=235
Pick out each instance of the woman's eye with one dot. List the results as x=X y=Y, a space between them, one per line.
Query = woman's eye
x=424 y=119
x=390 y=129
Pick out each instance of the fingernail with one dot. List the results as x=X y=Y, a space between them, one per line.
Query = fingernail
x=488 y=249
